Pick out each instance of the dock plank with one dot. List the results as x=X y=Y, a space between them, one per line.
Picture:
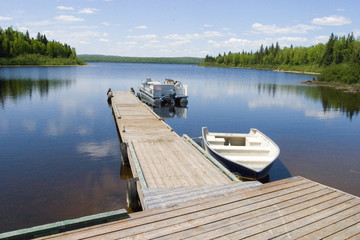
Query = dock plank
x=286 y=209
x=352 y=232
x=329 y=228
x=283 y=227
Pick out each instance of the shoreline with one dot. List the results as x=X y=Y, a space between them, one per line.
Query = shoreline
x=72 y=65
x=353 y=89
x=268 y=69
x=297 y=72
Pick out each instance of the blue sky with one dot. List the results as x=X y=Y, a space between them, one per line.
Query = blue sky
x=173 y=28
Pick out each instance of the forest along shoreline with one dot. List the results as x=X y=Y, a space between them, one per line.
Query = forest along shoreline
x=18 y=49
x=336 y=63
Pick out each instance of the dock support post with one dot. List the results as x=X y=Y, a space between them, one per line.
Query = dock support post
x=123 y=151
x=132 y=197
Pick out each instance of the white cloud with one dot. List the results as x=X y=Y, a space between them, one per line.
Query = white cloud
x=357 y=32
x=105 y=23
x=233 y=43
x=185 y=37
x=5 y=18
x=207 y=25
x=68 y=18
x=195 y=36
x=127 y=45
x=321 y=39
x=104 y=40
x=88 y=10
x=332 y=20
x=64 y=8
x=211 y=34
x=143 y=37
x=40 y=23
x=273 y=29
x=292 y=40
x=141 y=27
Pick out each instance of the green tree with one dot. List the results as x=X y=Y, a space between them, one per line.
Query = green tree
x=19 y=46
x=328 y=56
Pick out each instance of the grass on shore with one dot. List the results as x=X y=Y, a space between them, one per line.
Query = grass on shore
x=39 y=60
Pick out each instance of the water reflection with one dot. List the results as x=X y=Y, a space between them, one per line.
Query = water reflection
x=99 y=150
x=332 y=100
x=171 y=112
x=59 y=144
x=14 y=89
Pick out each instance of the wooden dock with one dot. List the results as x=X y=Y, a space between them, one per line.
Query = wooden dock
x=294 y=208
x=160 y=159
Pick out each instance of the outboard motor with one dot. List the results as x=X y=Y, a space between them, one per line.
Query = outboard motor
x=172 y=98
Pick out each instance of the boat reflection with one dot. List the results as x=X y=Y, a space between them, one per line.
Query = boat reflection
x=168 y=111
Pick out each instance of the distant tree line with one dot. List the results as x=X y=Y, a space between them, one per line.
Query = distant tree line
x=120 y=59
x=18 y=48
x=338 y=60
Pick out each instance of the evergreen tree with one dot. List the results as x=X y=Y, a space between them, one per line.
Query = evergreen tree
x=328 y=57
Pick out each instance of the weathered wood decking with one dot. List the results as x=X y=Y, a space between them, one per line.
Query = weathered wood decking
x=158 y=157
x=294 y=208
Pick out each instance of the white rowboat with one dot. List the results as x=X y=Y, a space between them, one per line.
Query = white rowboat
x=250 y=155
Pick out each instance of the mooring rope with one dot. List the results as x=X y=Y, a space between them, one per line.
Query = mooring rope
x=195 y=138
x=246 y=178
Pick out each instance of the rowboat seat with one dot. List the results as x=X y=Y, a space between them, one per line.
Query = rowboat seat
x=253 y=141
x=244 y=159
x=215 y=140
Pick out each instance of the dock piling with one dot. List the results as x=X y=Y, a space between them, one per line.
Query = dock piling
x=124 y=155
x=132 y=196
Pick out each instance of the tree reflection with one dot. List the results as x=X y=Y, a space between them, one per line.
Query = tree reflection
x=331 y=99
x=14 y=89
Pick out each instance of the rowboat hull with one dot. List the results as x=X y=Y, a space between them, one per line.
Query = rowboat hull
x=251 y=169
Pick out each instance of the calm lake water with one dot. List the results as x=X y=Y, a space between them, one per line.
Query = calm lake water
x=60 y=152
